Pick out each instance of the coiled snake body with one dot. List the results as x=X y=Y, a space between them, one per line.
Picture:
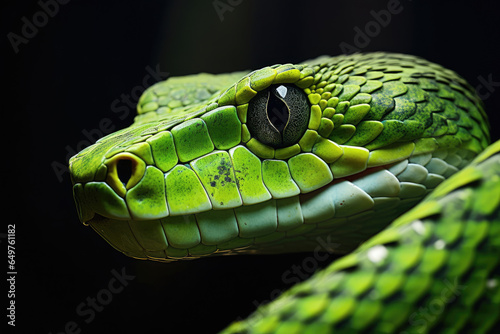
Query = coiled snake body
x=290 y=158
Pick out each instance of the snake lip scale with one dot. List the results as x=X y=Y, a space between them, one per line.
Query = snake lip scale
x=386 y=154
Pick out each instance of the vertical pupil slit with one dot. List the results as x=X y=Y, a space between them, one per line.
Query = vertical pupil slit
x=124 y=170
x=277 y=112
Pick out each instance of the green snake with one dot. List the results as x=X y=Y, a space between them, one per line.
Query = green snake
x=290 y=158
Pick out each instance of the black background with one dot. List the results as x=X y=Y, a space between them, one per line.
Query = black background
x=63 y=82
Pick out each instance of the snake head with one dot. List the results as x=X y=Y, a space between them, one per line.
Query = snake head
x=261 y=160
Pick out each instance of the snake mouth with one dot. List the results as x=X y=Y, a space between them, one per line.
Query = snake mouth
x=346 y=211
x=343 y=197
x=348 y=207
x=371 y=192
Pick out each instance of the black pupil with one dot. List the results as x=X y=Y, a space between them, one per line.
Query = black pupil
x=279 y=115
x=277 y=112
x=124 y=170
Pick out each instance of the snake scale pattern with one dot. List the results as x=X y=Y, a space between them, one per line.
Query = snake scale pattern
x=384 y=156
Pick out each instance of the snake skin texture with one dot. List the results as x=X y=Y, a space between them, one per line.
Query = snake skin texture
x=269 y=161
x=436 y=269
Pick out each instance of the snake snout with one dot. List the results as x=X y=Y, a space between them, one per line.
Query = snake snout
x=106 y=194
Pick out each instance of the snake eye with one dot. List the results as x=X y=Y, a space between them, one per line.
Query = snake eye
x=278 y=116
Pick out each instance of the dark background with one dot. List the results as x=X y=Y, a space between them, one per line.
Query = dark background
x=62 y=82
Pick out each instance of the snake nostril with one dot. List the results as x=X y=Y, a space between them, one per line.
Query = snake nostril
x=124 y=169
